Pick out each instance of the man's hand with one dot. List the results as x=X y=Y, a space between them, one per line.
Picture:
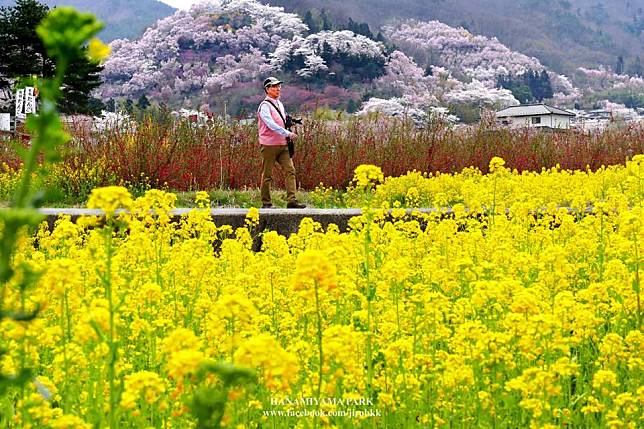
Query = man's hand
x=292 y=135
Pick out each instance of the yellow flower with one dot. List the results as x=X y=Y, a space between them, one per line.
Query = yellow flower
x=278 y=368
x=604 y=380
x=313 y=268
x=109 y=199
x=366 y=176
x=69 y=422
x=202 y=199
x=252 y=217
x=496 y=164
x=143 y=384
x=181 y=339
x=184 y=362
x=97 y=51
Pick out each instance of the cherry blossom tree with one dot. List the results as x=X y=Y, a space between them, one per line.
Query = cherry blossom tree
x=476 y=91
x=476 y=59
x=208 y=48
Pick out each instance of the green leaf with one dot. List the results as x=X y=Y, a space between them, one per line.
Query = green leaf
x=20 y=316
x=9 y=381
x=230 y=374
x=636 y=285
x=65 y=31
x=617 y=297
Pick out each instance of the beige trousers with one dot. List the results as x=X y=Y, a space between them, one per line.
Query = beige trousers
x=271 y=155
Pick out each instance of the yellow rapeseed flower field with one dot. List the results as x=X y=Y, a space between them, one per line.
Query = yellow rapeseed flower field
x=519 y=307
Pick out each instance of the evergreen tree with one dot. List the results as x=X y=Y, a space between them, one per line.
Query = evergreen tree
x=545 y=87
x=531 y=80
x=81 y=79
x=110 y=106
x=95 y=106
x=366 y=31
x=360 y=28
x=352 y=26
x=518 y=86
x=635 y=69
x=128 y=106
x=619 y=67
x=352 y=106
x=311 y=23
x=23 y=54
x=143 y=102
x=327 y=52
x=326 y=21
x=21 y=50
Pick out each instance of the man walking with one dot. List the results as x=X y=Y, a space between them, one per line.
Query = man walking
x=273 y=145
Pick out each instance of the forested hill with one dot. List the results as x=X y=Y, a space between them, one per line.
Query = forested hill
x=123 y=18
x=563 y=34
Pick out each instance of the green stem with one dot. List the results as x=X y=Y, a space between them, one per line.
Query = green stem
x=321 y=354
x=112 y=345
x=273 y=315
x=370 y=294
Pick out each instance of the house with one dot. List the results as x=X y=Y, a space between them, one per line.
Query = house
x=534 y=115
x=600 y=114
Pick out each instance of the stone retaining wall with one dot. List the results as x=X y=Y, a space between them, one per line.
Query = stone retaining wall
x=284 y=221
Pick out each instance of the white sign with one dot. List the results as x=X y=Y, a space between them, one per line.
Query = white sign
x=20 y=104
x=25 y=102
x=5 y=122
x=30 y=100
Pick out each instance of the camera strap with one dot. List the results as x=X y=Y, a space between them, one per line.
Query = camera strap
x=279 y=112
x=289 y=141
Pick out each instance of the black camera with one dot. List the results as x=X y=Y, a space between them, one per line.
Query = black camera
x=291 y=121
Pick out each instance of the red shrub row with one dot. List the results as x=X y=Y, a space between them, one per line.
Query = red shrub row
x=185 y=157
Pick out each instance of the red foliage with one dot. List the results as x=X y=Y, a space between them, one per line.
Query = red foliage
x=186 y=157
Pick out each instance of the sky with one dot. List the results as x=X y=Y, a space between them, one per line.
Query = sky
x=179 y=4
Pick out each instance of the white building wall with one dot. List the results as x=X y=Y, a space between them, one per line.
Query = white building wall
x=526 y=121
x=550 y=121
x=560 y=121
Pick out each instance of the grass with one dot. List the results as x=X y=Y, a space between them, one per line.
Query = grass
x=219 y=198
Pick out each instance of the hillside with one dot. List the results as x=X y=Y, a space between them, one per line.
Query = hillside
x=563 y=34
x=215 y=55
x=123 y=18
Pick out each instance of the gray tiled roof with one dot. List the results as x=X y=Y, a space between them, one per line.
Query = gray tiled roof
x=531 y=110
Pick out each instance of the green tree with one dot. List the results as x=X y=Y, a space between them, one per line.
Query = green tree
x=359 y=28
x=545 y=87
x=21 y=50
x=635 y=69
x=82 y=77
x=143 y=102
x=352 y=106
x=518 y=86
x=522 y=93
x=619 y=67
x=310 y=22
x=110 y=106
x=326 y=21
x=128 y=106
x=23 y=54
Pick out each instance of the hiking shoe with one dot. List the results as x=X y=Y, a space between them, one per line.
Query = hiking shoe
x=267 y=206
x=295 y=205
